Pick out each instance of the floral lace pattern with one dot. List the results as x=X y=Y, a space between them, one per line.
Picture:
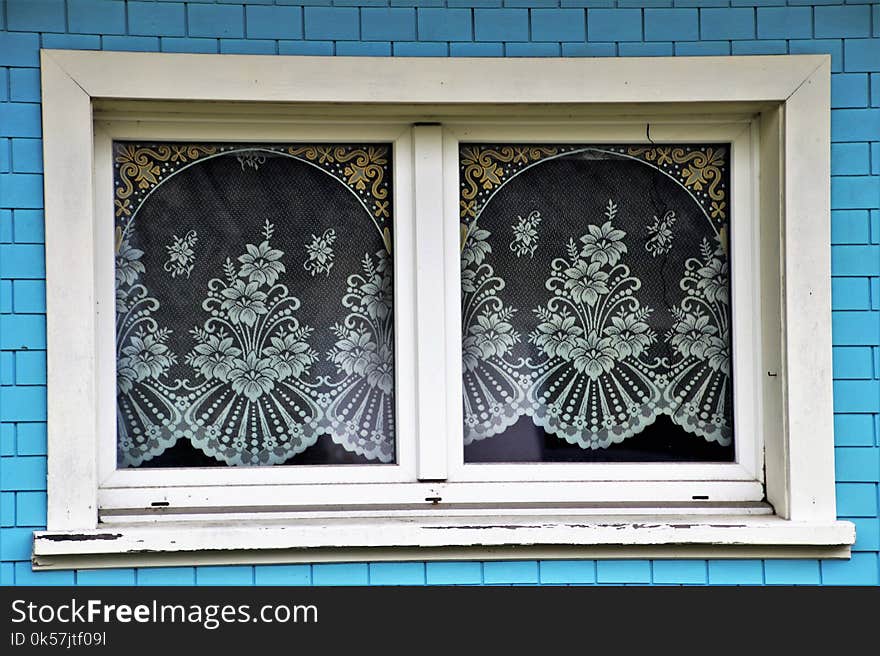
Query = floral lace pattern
x=525 y=235
x=181 y=256
x=261 y=373
x=630 y=320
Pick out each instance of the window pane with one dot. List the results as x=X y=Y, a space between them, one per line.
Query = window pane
x=596 y=302
x=254 y=321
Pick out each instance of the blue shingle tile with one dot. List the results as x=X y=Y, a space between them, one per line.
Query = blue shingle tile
x=854 y=124
x=7 y=439
x=453 y=573
x=30 y=368
x=22 y=261
x=184 y=44
x=20 y=190
x=855 y=260
x=567 y=571
x=225 y=575
x=532 y=50
x=476 y=49
x=72 y=41
x=305 y=47
x=856 y=395
x=24 y=575
x=654 y=49
x=388 y=24
x=30 y=509
x=22 y=332
x=22 y=473
x=397 y=573
x=860 y=569
x=849 y=90
x=867 y=533
x=332 y=23
x=759 y=47
x=283 y=575
x=28 y=226
x=558 y=25
x=215 y=20
x=857 y=464
x=791 y=572
x=501 y=25
x=589 y=49
x=247 y=46
x=702 y=48
x=672 y=25
x=445 y=24
x=27 y=155
x=857 y=499
x=679 y=572
x=151 y=19
x=16 y=544
x=853 y=362
x=363 y=48
x=7 y=368
x=274 y=22
x=850 y=159
x=35 y=15
x=31 y=439
x=623 y=571
x=862 y=54
x=5 y=291
x=19 y=120
x=19 y=49
x=340 y=574
x=833 y=47
x=736 y=23
x=166 y=576
x=7 y=510
x=850 y=227
x=785 y=22
x=105 y=577
x=7 y=570
x=130 y=43
x=644 y=3
x=587 y=3
x=24 y=84
x=855 y=192
x=614 y=24
x=844 y=21
x=360 y=3
x=510 y=571
x=96 y=17
x=420 y=49
x=736 y=572
x=854 y=430
x=701 y=3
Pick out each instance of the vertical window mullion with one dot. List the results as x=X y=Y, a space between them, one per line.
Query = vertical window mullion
x=431 y=321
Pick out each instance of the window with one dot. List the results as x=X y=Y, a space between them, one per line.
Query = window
x=415 y=319
x=254 y=317
x=618 y=257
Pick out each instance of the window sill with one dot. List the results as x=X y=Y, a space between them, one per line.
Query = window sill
x=548 y=535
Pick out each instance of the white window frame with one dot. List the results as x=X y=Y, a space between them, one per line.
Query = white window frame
x=770 y=108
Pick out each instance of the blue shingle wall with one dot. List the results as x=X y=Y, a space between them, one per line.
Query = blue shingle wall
x=848 y=31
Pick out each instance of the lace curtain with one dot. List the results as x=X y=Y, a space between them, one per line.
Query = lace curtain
x=595 y=290
x=254 y=310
